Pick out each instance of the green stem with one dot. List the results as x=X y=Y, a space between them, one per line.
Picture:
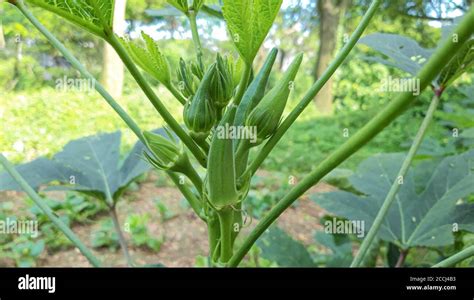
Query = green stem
x=402 y=257
x=314 y=90
x=172 y=123
x=456 y=258
x=226 y=216
x=47 y=210
x=176 y=93
x=110 y=100
x=77 y=65
x=188 y=194
x=195 y=179
x=396 y=185
x=427 y=74
x=121 y=238
x=214 y=235
x=212 y=12
x=242 y=84
x=196 y=40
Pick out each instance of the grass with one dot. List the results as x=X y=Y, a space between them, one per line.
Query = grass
x=42 y=122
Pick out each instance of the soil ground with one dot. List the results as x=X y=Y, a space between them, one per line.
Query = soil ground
x=184 y=234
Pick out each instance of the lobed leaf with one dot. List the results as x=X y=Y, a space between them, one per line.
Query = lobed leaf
x=90 y=165
x=402 y=52
x=276 y=244
x=341 y=253
x=416 y=218
x=249 y=22
x=150 y=59
x=92 y=15
x=407 y=55
x=181 y=5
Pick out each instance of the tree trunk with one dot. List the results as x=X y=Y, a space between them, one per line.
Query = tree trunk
x=112 y=67
x=330 y=13
x=2 y=37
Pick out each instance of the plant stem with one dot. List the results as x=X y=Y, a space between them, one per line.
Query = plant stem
x=195 y=179
x=242 y=84
x=456 y=258
x=429 y=71
x=396 y=186
x=77 y=65
x=212 y=12
x=188 y=195
x=122 y=241
x=225 y=220
x=196 y=40
x=176 y=93
x=214 y=235
x=313 y=91
x=401 y=258
x=172 y=123
x=48 y=212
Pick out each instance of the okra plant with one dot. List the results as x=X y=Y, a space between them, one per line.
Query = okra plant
x=227 y=111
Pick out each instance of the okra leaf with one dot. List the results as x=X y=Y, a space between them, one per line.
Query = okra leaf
x=407 y=55
x=92 y=15
x=401 y=52
x=249 y=22
x=341 y=253
x=36 y=173
x=171 y=11
x=276 y=244
x=416 y=218
x=90 y=165
x=150 y=59
x=181 y=5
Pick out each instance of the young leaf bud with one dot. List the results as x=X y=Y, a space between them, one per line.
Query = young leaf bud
x=167 y=155
x=188 y=82
x=221 y=88
x=199 y=113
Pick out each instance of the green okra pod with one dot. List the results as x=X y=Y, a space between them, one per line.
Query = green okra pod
x=222 y=188
x=267 y=113
x=256 y=89
x=250 y=99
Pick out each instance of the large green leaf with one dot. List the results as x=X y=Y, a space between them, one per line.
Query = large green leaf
x=36 y=173
x=341 y=252
x=401 y=52
x=416 y=218
x=407 y=55
x=90 y=165
x=92 y=15
x=249 y=22
x=279 y=247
